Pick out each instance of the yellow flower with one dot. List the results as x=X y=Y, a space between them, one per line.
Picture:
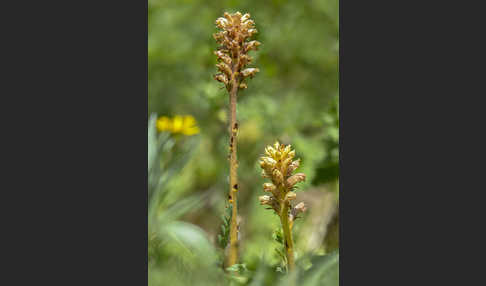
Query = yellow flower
x=177 y=124
x=163 y=123
x=185 y=125
x=190 y=126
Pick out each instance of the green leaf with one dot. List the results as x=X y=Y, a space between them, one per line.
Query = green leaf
x=324 y=271
x=240 y=268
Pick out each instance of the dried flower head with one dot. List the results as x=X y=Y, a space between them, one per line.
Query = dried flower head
x=265 y=200
x=299 y=208
x=295 y=211
x=234 y=44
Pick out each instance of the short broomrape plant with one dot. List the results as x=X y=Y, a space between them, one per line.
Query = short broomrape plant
x=278 y=165
x=233 y=38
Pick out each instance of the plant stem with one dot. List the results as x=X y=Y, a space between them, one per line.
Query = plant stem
x=233 y=248
x=289 y=244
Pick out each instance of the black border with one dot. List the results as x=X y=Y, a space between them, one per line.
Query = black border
x=77 y=169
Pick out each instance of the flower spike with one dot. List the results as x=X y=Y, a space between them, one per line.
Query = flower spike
x=233 y=37
x=278 y=165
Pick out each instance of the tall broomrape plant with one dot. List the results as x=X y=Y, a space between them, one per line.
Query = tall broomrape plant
x=278 y=166
x=233 y=37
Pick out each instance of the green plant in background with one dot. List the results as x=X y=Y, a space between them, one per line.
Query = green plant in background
x=278 y=165
x=328 y=169
x=223 y=238
x=168 y=236
x=234 y=45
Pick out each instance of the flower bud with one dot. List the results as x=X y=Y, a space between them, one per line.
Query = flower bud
x=263 y=165
x=291 y=154
x=265 y=200
x=218 y=37
x=269 y=151
x=245 y=17
x=265 y=174
x=248 y=24
x=221 y=78
x=297 y=178
x=225 y=69
x=225 y=58
x=245 y=59
x=269 y=187
x=286 y=150
x=253 y=45
x=286 y=162
x=293 y=166
x=277 y=176
x=298 y=209
x=269 y=161
x=290 y=196
x=249 y=72
x=251 y=32
x=228 y=16
x=222 y=23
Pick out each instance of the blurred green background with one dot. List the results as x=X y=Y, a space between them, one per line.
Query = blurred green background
x=294 y=99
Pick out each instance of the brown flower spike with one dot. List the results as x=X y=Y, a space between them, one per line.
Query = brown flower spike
x=278 y=166
x=233 y=37
x=234 y=45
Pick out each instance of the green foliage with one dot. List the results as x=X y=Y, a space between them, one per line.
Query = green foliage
x=223 y=238
x=324 y=271
x=331 y=240
x=174 y=246
x=240 y=268
x=280 y=250
x=328 y=169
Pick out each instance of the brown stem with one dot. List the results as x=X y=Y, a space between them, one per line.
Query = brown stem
x=233 y=248
x=289 y=244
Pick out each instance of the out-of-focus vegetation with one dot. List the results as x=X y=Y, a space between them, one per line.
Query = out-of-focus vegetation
x=294 y=99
